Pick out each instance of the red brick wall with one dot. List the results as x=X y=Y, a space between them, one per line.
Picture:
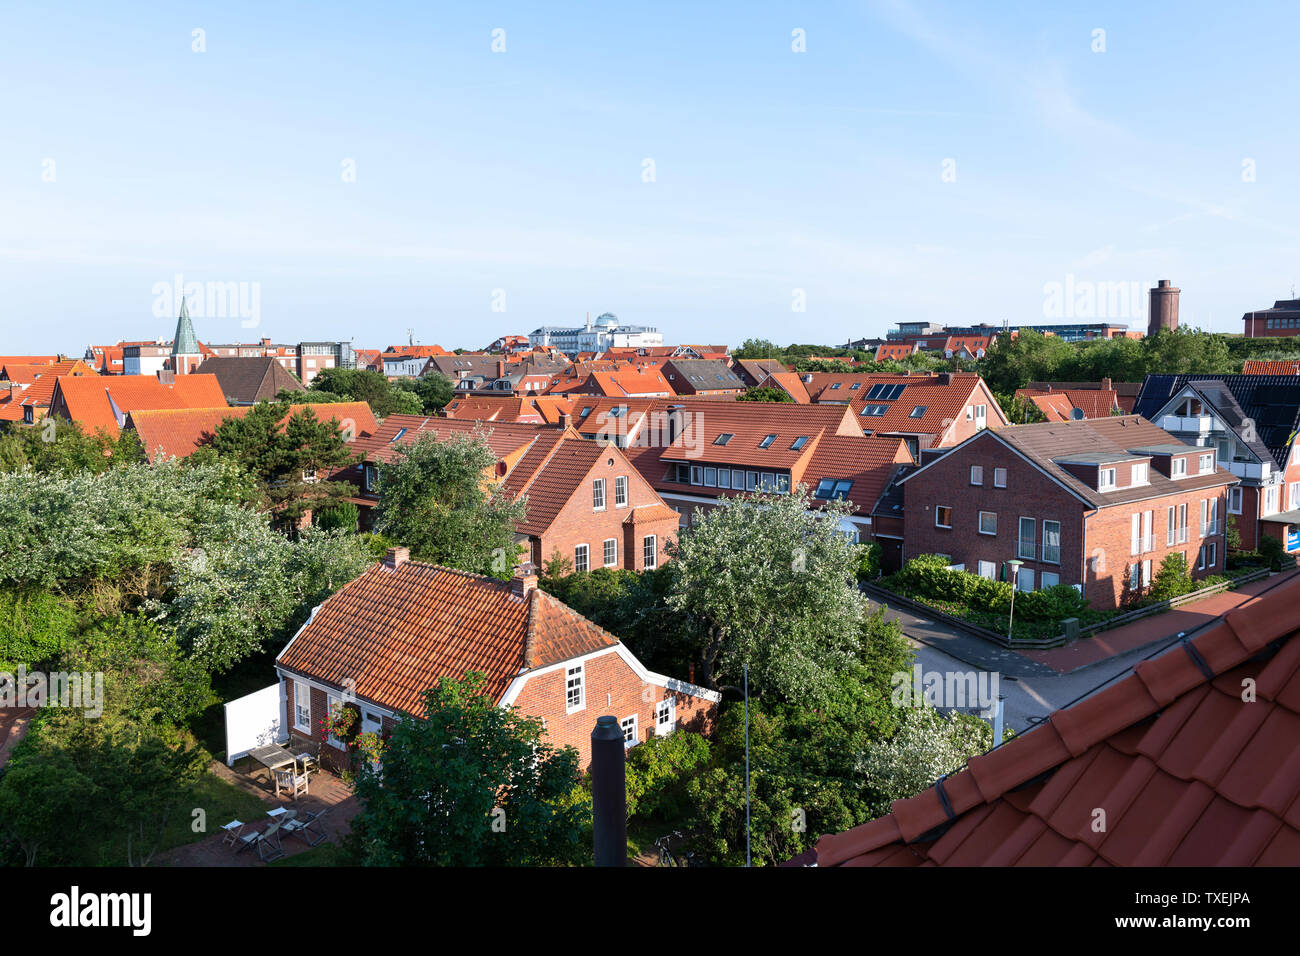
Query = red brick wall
x=1029 y=493
x=1097 y=557
x=611 y=687
x=578 y=523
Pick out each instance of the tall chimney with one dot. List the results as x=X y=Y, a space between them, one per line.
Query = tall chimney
x=608 y=792
x=525 y=580
x=1163 y=313
x=395 y=557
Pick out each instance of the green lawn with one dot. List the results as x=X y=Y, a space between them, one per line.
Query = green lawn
x=221 y=803
x=327 y=854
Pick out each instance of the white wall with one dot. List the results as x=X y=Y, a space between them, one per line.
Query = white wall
x=254 y=721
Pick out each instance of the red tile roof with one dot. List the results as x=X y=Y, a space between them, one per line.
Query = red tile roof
x=525 y=409
x=1188 y=773
x=1269 y=367
x=393 y=632
x=868 y=462
x=179 y=432
x=942 y=403
x=1057 y=406
x=90 y=400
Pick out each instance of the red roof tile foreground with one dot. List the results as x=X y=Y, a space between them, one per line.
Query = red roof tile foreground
x=1271 y=367
x=394 y=631
x=180 y=432
x=1193 y=760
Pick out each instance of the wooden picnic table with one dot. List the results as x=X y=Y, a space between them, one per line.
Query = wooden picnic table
x=273 y=757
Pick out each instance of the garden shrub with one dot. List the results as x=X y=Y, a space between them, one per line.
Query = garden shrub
x=658 y=771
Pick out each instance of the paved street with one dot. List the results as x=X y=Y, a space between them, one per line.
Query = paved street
x=1032 y=689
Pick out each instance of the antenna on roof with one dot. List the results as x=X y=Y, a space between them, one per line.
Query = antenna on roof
x=1076 y=414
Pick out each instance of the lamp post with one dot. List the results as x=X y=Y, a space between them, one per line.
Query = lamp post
x=1015 y=582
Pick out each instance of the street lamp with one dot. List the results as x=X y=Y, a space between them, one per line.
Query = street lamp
x=1015 y=581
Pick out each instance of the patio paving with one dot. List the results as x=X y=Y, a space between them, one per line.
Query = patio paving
x=326 y=791
x=13 y=725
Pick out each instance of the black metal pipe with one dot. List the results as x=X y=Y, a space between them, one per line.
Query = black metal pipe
x=608 y=793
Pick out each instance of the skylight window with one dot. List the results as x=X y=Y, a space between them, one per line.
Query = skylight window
x=855 y=386
x=400 y=433
x=884 y=392
x=724 y=438
x=919 y=411
x=874 y=409
x=799 y=443
x=767 y=441
x=834 y=386
x=833 y=489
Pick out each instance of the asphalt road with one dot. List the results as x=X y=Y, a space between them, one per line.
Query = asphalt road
x=1031 y=690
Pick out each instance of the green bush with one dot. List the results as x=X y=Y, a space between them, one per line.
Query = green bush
x=658 y=771
x=1272 y=551
x=869 y=566
x=927 y=575
x=1051 y=604
x=35 y=626
x=343 y=515
x=1174 y=579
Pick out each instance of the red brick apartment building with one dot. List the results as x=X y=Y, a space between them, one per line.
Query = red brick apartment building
x=698 y=453
x=384 y=638
x=1096 y=504
x=585 y=500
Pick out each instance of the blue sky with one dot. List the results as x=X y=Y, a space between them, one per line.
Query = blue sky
x=522 y=171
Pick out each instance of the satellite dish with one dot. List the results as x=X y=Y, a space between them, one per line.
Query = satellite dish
x=1076 y=414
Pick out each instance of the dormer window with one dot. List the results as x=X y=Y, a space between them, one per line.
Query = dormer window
x=1178 y=468
x=1141 y=474
x=1105 y=479
x=1207 y=464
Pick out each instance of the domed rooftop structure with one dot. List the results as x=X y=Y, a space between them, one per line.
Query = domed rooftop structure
x=608 y=320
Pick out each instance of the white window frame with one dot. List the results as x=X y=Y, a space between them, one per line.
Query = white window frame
x=626 y=724
x=598 y=495
x=650 y=552
x=575 y=681
x=994 y=516
x=1044 y=575
x=988 y=569
x=605 y=552
x=620 y=491
x=1234 y=495
x=977 y=475
x=1106 y=478
x=1145 y=474
x=1178 y=467
x=1271 y=497
x=937 y=509
x=1207 y=464
x=585 y=552
x=999 y=477
x=304 y=691
x=334 y=704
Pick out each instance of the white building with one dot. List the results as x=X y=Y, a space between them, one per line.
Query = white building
x=605 y=333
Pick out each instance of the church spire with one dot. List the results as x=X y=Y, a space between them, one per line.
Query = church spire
x=185 y=341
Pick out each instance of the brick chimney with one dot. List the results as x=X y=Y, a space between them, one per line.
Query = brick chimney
x=1105 y=385
x=501 y=369
x=396 y=557
x=525 y=580
x=564 y=420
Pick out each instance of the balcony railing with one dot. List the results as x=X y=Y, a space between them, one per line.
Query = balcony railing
x=1029 y=549
x=1176 y=536
x=1210 y=528
x=1143 y=544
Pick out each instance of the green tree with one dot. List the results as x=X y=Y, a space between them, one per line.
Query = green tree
x=433 y=390
x=60 y=447
x=365 y=385
x=289 y=458
x=469 y=784
x=436 y=497
x=769 y=394
x=1172 y=579
x=772 y=583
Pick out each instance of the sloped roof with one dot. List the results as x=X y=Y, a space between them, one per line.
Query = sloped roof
x=927 y=404
x=753 y=371
x=248 y=380
x=394 y=632
x=396 y=430
x=525 y=409
x=549 y=476
x=869 y=462
x=1271 y=367
x=1272 y=402
x=1115 y=438
x=179 y=432
x=700 y=375
x=749 y=423
x=1058 y=405
x=91 y=399
x=40 y=393
x=1187 y=772
x=788 y=382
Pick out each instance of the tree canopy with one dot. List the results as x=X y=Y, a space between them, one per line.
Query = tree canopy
x=439 y=498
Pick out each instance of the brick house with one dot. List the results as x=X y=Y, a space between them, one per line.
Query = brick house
x=585 y=500
x=698 y=453
x=1097 y=504
x=926 y=410
x=1251 y=422
x=702 y=377
x=387 y=636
